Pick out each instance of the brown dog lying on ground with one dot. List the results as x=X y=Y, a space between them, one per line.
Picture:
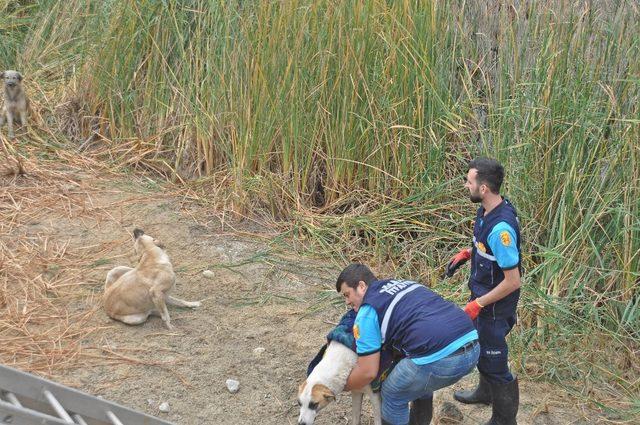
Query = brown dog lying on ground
x=132 y=294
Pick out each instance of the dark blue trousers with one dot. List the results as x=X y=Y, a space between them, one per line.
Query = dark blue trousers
x=494 y=353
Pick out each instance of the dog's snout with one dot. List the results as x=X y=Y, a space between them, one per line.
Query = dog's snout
x=137 y=233
x=11 y=83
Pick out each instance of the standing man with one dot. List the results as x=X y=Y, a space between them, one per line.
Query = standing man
x=436 y=338
x=495 y=288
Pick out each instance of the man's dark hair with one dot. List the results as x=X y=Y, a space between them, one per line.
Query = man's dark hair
x=490 y=172
x=354 y=273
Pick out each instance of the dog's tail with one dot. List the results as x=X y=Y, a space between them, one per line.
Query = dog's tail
x=137 y=233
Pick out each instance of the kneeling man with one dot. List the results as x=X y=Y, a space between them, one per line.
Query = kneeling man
x=437 y=338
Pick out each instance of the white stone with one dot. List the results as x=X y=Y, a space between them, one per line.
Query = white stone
x=258 y=351
x=233 y=386
x=164 y=407
x=208 y=274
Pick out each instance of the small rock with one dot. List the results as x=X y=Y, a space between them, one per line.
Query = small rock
x=450 y=414
x=233 y=386
x=150 y=402
x=208 y=274
x=258 y=351
x=164 y=407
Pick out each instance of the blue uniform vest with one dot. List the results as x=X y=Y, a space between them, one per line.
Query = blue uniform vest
x=413 y=319
x=485 y=272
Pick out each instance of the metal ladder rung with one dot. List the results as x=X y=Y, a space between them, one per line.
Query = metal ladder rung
x=29 y=399
x=113 y=418
x=78 y=419
x=57 y=407
x=13 y=399
x=74 y=419
x=12 y=410
x=62 y=413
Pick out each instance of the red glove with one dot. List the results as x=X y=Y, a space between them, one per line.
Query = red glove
x=457 y=261
x=473 y=309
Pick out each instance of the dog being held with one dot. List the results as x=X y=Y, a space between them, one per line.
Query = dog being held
x=132 y=294
x=16 y=103
x=327 y=379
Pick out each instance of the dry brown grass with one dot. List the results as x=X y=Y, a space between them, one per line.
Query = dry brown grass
x=38 y=332
x=44 y=313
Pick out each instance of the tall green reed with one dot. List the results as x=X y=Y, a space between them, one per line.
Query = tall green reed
x=353 y=122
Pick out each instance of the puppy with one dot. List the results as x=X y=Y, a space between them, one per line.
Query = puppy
x=132 y=294
x=16 y=102
x=327 y=379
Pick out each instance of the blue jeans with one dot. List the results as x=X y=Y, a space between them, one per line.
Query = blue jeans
x=409 y=381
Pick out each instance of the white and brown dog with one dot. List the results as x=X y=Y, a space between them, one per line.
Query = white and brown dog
x=132 y=294
x=16 y=103
x=327 y=379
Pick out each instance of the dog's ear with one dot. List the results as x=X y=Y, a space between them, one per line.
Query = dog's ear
x=328 y=397
x=158 y=244
x=322 y=395
x=2 y=74
x=19 y=76
x=137 y=233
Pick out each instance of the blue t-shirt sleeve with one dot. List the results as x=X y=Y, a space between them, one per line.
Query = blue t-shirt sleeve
x=366 y=331
x=503 y=243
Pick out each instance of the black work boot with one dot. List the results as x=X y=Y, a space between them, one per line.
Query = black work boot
x=506 y=398
x=421 y=411
x=481 y=395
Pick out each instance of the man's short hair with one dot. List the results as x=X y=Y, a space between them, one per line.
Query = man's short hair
x=353 y=274
x=490 y=172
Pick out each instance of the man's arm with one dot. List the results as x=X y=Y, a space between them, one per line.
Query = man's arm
x=502 y=241
x=366 y=331
x=364 y=372
x=510 y=283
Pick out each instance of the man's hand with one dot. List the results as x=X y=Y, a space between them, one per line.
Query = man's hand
x=473 y=309
x=459 y=259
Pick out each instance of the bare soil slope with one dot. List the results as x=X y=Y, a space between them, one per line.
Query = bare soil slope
x=68 y=221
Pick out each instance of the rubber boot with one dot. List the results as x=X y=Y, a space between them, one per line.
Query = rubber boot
x=506 y=398
x=421 y=411
x=480 y=395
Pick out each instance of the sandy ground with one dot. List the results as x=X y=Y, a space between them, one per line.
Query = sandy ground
x=259 y=296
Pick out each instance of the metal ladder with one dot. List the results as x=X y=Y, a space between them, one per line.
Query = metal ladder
x=26 y=399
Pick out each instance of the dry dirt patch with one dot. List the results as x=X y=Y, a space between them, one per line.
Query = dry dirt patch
x=66 y=223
